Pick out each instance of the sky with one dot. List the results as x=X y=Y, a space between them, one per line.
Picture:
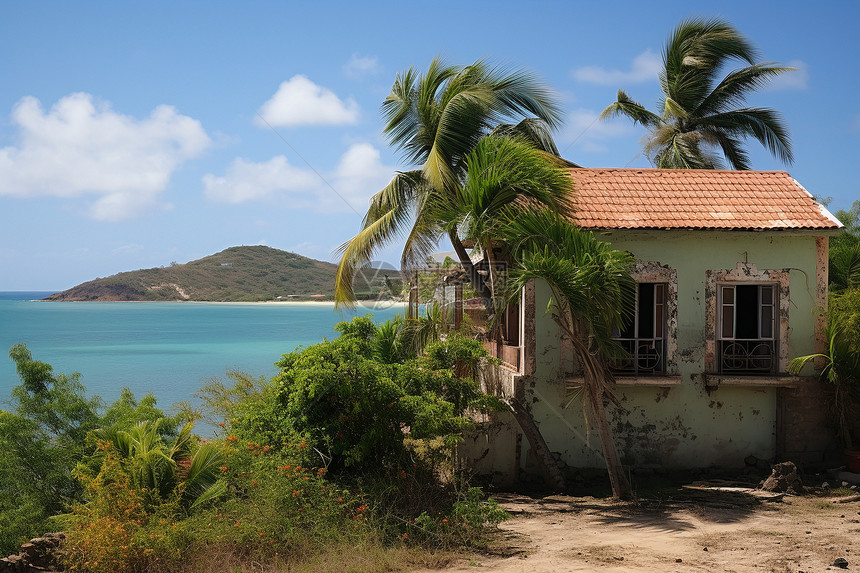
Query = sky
x=134 y=135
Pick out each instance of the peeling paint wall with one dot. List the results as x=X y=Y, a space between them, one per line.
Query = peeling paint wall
x=685 y=424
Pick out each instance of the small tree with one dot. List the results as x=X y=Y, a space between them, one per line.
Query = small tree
x=591 y=291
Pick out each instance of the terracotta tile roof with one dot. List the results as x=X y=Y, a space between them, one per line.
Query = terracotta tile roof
x=695 y=199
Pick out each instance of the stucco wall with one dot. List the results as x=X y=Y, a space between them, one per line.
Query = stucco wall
x=688 y=423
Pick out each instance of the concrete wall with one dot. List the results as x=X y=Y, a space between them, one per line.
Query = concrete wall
x=688 y=419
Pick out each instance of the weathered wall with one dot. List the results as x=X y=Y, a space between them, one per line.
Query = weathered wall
x=687 y=423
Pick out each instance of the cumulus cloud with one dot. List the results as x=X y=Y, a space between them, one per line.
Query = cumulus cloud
x=359 y=174
x=360 y=66
x=81 y=148
x=796 y=80
x=299 y=101
x=644 y=68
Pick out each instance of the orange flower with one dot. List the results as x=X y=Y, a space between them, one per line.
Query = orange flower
x=405 y=535
x=261 y=534
x=444 y=521
x=223 y=468
x=238 y=523
x=231 y=438
x=222 y=424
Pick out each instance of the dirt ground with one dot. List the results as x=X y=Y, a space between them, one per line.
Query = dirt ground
x=683 y=530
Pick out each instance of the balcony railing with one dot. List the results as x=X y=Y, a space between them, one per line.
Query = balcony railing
x=749 y=356
x=644 y=356
x=509 y=355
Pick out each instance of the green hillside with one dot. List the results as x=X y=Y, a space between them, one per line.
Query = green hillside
x=237 y=274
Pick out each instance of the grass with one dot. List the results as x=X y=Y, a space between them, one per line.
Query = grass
x=237 y=274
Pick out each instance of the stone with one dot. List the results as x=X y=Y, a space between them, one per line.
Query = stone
x=784 y=478
x=841 y=562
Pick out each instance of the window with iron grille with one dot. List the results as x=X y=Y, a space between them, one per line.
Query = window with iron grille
x=644 y=338
x=746 y=328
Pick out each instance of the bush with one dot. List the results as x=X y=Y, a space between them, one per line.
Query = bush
x=357 y=411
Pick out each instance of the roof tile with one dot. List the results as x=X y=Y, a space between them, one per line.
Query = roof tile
x=694 y=199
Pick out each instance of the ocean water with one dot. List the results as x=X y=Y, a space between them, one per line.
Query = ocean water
x=169 y=349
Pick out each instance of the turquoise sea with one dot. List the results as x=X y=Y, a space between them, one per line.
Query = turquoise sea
x=169 y=349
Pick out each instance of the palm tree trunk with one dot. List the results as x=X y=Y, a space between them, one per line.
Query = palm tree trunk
x=596 y=381
x=620 y=486
x=548 y=466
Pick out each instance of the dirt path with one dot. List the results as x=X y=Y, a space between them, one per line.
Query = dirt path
x=691 y=531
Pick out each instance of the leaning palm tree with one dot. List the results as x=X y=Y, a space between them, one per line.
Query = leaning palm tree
x=701 y=116
x=505 y=177
x=436 y=120
x=591 y=292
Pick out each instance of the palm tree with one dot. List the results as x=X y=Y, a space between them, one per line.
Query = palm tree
x=505 y=177
x=192 y=472
x=591 y=292
x=699 y=117
x=436 y=120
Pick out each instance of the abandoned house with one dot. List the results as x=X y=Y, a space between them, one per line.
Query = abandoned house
x=732 y=283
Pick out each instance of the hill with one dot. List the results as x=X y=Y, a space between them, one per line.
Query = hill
x=237 y=274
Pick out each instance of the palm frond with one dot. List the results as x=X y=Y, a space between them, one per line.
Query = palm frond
x=634 y=110
x=388 y=216
x=764 y=124
x=733 y=89
x=531 y=129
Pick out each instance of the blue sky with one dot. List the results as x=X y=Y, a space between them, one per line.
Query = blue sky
x=130 y=136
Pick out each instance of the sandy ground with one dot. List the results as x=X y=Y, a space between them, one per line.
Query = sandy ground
x=683 y=531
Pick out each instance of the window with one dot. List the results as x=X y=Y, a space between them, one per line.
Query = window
x=644 y=338
x=746 y=329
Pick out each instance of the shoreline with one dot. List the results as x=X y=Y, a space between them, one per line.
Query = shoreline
x=320 y=303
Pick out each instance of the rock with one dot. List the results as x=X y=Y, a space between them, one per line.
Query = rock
x=841 y=563
x=784 y=478
x=35 y=555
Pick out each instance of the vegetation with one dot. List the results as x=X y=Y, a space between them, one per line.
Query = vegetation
x=44 y=440
x=591 y=290
x=841 y=360
x=446 y=122
x=699 y=117
x=255 y=273
x=350 y=445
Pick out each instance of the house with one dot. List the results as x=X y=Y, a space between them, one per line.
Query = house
x=731 y=272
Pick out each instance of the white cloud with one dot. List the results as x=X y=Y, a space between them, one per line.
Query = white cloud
x=358 y=175
x=299 y=101
x=586 y=132
x=361 y=66
x=796 y=80
x=80 y=148
x=250 y=181
x=644 y=68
